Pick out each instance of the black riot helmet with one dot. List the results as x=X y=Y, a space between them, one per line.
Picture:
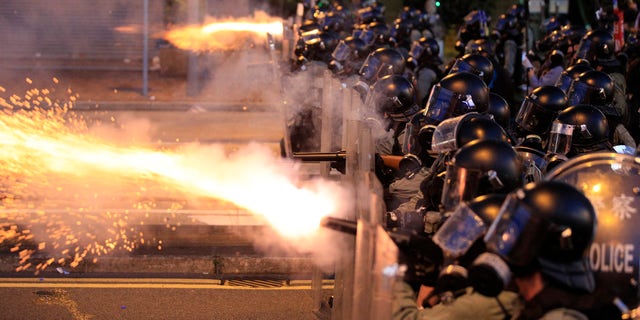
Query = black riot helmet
x=370 y=13
x=579 y=129
x=553 y=23
x=499 y=109
x=380 y=63
x=454 y=95
x=424 y=50
x=476 y=64
x=484 y=47
x=506 y=26
x=348 y=55
x=612 y=182
x=546 y=226
x=474 y=26
x=554 y=40
x=376 y=34
x=596 y=45
x=454 y=133
x=539 y=108
x=394 y=97
x=480 y=167
x=520 y=12
x=571 y=74
x=592 y=87
x=350 y=48
x=573 y=35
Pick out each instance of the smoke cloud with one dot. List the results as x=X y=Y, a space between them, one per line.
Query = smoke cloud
x=75 y=190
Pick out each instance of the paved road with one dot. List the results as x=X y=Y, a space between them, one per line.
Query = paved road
x=79 y=299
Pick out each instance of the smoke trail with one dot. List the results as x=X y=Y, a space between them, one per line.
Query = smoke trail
x=70 y=191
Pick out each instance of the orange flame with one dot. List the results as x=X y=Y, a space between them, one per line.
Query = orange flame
x=229 y=34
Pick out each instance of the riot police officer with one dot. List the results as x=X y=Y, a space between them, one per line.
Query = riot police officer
x=598 y=89
x=379 y=63
x=538 y=110
x=578 y=130
x=424 y=61
x=542 y=235
x=598 y=47
x=392 y=103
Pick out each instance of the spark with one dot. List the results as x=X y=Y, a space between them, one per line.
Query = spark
x=59 y=185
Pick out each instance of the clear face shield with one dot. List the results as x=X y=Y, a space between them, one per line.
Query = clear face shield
x=463 y=66
x=577 y=93
x=462 y=184
x=533 y=117
x=511 y=232
x=365 y=14
x=583 y=50
x=444 y=103
x=368 y=37
x=560 y=138
x=416 y=50
x=564 y=82
x=373 y=69
x=444 y=137
x=458 y=233
x=341 y=52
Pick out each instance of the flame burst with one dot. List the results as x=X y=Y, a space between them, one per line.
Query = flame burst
x=66 y=191
x=229 y=34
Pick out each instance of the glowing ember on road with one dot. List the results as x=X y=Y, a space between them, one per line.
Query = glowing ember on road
x=226 y=34
x=69 y=181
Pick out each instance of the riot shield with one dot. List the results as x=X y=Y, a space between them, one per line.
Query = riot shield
x=611 y=181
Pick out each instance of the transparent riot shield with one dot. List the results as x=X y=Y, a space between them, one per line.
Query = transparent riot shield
x=612 y=182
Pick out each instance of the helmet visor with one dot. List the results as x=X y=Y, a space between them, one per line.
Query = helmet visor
x=341 y=52
x=370 y=68
x=512 y=232
x=463 y=66
x=459 y=231
x=579 y=93
x=444 y=137
x=368 y=36
x=501 y=25
x=583 y=50
x=417 y=50
x=444 y=103
x=564 y=82
x=460 y=184
x=560 y=138
x=533 y=117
